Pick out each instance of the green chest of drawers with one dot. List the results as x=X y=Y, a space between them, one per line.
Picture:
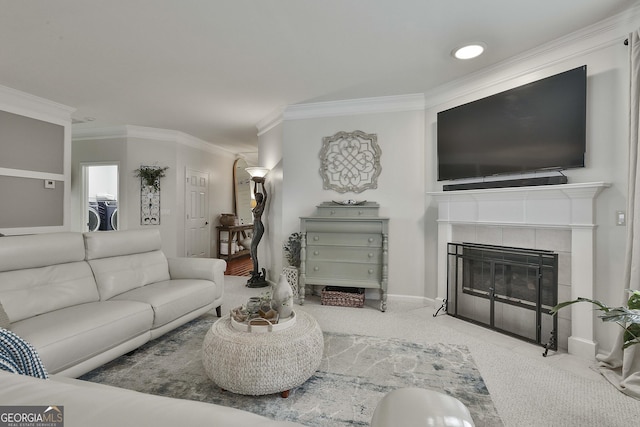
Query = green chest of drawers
x=345 y=245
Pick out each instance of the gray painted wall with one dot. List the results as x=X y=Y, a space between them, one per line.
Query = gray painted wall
x=36 y=146
x=26 y=203
x=30 y=144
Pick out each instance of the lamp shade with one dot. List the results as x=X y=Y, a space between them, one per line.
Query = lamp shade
x=257 y=172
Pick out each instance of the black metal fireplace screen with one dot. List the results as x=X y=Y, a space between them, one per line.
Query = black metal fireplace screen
x=507 y=289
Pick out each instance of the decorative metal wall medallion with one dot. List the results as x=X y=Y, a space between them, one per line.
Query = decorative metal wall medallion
x=350 y=161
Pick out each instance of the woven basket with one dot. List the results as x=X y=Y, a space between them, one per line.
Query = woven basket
x=343 y=297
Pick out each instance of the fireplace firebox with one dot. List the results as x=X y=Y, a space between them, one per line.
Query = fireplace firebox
x=510 y=290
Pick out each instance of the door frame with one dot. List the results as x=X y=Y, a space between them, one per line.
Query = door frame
x=85 y=188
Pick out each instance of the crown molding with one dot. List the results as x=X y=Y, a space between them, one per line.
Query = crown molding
x=382 y=104
x=600 y=35
x=269 y=122
x=142 y=132
x=595 y=37
x=25 y=104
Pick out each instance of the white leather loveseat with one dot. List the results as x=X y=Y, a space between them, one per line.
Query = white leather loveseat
x=83 y=299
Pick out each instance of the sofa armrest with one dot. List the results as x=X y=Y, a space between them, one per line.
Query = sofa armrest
x=198 y=268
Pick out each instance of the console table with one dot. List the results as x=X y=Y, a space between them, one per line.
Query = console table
x=347 y=246
x=239 y=232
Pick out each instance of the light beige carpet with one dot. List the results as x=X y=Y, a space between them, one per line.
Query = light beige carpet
x=355 y=373
x=526 y=388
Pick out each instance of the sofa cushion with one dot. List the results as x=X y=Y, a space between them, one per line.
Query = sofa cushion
x=34 y=291
x=40 y=250
x=120 y=274
x=117 y=243
x=71 y=335
x=172 y=299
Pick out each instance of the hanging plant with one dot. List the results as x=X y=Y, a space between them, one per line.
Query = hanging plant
x=151 y=175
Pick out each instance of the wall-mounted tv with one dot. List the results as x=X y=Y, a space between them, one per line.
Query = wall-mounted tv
x=537 y=126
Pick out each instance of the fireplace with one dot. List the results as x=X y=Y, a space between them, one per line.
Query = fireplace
x=544 y=211
x=506 y=289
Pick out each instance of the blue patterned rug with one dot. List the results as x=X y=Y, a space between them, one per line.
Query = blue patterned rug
x=355 y=373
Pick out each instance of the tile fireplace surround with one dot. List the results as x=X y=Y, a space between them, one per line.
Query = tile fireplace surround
x=568 y=207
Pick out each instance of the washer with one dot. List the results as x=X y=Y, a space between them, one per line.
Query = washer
x=94 y=217
x=108 y=210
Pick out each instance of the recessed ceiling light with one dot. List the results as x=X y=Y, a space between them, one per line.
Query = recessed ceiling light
x=469 y=51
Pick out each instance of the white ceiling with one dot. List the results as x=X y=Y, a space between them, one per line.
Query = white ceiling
x=214 y=68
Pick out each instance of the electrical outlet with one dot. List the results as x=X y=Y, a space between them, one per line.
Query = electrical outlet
x=49 y=183
x=621 y=218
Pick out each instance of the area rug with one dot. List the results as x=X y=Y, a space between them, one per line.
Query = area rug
x=355 y=373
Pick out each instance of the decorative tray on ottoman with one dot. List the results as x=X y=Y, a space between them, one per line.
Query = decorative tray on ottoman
x=261 y=325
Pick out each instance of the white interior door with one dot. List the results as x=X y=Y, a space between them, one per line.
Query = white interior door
x=197 y=207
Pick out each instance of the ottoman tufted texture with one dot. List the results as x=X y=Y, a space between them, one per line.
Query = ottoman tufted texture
x=262 y=363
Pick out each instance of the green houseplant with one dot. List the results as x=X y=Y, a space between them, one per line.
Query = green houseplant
x=292 y=249
x=151 y=175
x=627 y=317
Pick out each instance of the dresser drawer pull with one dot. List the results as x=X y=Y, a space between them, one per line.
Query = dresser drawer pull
x=370 y=254
x=316 y=238
x=370 y=271
x=333 y=212
x=360 y=212
x=370 y=239
x=316 y=268
x=316 y=253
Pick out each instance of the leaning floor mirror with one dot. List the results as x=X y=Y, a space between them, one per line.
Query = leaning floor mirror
x=242 y=192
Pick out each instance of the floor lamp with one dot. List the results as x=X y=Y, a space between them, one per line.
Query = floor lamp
x=258 y=278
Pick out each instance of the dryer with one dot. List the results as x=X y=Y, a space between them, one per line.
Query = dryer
x=108 y=210
x=94 y=216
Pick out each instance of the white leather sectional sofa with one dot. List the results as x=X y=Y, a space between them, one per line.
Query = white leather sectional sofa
x=88 y=404
x=83 y=299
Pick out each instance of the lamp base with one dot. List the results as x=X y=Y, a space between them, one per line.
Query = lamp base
x=262 y=284
x=258 y=280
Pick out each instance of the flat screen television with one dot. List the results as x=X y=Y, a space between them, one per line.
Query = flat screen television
x=537 y=126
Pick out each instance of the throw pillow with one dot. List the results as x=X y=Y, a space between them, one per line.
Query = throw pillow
x=4 y=319
x=19 y=357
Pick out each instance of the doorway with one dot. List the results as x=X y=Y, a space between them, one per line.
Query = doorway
x=100 y=196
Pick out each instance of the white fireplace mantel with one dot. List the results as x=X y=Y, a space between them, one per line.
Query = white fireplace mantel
x=566 y=206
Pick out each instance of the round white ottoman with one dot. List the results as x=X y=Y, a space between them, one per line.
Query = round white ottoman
x=262 y=363
x=417 y=407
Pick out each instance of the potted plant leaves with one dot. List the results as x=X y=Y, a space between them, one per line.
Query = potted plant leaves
x=151 y=175
x=627 y=317
x=292 y=253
